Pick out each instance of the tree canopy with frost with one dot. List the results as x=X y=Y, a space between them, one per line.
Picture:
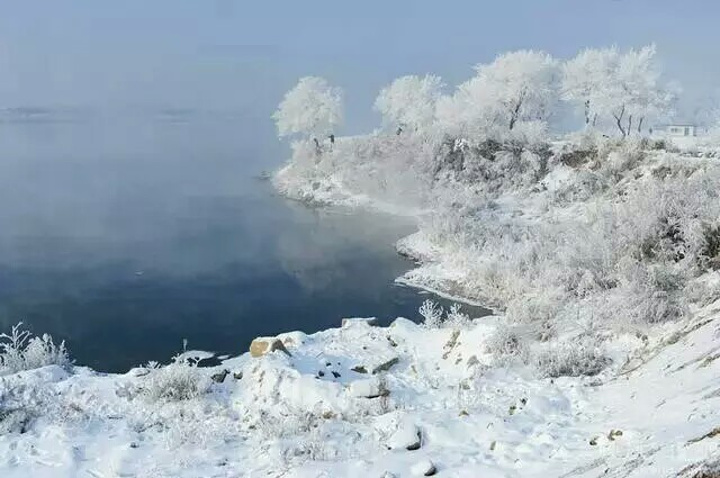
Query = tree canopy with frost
x=311 y=108
x=622 y=87
x=409 y=101
x=517 y=87
x=587 y=78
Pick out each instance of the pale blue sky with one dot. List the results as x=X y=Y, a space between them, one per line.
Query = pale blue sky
x=231 y=54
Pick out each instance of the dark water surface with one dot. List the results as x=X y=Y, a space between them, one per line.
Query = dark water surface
x=125 y=237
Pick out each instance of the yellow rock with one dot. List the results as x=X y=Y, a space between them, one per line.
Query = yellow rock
x=264 y=345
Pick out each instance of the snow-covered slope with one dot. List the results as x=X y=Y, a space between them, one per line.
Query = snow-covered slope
x=436 y=399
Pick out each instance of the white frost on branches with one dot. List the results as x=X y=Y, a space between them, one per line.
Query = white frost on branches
x=409 y=102
x=311 y=108
x=518 y=87
x=621 y=88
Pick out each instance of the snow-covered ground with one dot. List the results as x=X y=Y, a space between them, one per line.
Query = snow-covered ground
x=319 y=410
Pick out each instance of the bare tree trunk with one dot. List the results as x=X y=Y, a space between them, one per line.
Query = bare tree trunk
x=594 y=119
x=618 y=120
x=514 y=115
x=642 y=118
x=629 y=127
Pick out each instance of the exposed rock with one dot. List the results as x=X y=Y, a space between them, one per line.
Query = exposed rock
x=359 y=369
x=385 y=366
x=711 y=434
x=451 y=343
x=407 y=437
x=238 y=375
x=424 y=467
x=335 y=374
x=472 y=361
x=220 y=376
x=350 y=321
x=369 y=388
x=265 y=345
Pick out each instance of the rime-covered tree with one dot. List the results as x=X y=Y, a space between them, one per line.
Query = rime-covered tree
x=312 y=108
x=518 y=87
x=622 y=87
x=587 y=78
x=409 y=102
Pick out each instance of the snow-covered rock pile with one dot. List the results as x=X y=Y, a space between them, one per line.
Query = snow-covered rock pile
x=362 y=401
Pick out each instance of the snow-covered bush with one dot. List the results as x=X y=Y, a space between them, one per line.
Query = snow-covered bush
x=20 y=350
x=180 y=380
x=709 y=256
x=507 y=342
x=572 y=358
x=491 y=166
x=456 y=317
x=391 y=169
x=431 y=313
x=624 y=259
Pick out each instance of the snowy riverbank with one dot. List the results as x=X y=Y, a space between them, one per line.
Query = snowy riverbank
x=319 y=410
x=601 y=268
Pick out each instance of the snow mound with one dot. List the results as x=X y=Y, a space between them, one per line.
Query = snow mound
x=441 y=400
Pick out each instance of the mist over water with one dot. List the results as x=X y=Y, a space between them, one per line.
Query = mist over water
x=125 y=235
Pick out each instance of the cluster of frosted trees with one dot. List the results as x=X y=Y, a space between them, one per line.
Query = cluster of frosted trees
x=515 y=96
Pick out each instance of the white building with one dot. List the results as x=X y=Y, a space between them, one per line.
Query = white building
x=681 y=130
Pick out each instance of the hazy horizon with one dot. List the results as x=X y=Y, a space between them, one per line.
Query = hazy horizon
x=228 y=56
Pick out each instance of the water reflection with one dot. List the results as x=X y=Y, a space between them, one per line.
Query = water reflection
x=125 y=238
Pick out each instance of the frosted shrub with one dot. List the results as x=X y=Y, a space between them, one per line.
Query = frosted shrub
x=395 y=170
x=571 y=359
x=180 y=380
x=456 y=317
x=431 y=313
x=21 y=351
x=507 y=341
x=710 y=252
x=493 y=166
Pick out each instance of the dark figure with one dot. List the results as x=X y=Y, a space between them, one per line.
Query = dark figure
x=317 y=146
x=332 y=139
x=399 y=130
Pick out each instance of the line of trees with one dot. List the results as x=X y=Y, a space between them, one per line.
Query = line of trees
x=516 y=94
